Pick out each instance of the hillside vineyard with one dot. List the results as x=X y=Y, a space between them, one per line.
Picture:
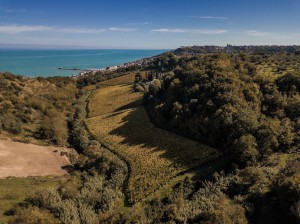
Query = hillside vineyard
x=195 y=135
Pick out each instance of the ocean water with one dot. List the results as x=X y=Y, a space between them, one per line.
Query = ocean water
x=46 y=62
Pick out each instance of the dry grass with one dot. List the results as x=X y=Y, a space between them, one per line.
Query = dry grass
x=155 y=155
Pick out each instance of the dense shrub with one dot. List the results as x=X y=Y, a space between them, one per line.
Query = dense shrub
x=33 y=215
x=230 y=107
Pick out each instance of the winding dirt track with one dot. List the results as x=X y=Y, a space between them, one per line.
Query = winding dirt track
x=23 y=160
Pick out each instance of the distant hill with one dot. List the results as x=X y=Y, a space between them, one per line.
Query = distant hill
x=237 y=49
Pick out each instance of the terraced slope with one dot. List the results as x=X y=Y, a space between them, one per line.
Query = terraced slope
x=117 y=119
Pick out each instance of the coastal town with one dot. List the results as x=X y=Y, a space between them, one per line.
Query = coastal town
x=126 y=65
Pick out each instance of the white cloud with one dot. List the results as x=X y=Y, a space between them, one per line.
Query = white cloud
x=121 y=29
x=256 y=33
x=15 y=10
x=139 y=24
x=19 y=11
x=284 y=36
x=11 y=10
x=165 y=30
x=209 y=17
x=15 y=29
x=191 y=31
x=78 y=30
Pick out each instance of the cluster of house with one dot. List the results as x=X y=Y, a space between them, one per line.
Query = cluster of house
x=114 y=68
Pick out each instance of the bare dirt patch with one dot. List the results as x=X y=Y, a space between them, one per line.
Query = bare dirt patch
x=23 y=160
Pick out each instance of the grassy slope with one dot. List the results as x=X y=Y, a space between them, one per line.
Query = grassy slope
x=27 y=103
x=156 y=156
x=15 y=190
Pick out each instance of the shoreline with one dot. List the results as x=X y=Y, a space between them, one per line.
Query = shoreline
x=34 y=64
x=139 y=62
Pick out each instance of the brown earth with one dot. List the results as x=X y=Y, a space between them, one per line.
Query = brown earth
x=23 y=160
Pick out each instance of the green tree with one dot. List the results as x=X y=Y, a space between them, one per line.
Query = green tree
x=154 y=86
x=245 y=149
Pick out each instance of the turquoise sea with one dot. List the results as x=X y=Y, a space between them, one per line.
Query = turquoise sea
x=46 y=62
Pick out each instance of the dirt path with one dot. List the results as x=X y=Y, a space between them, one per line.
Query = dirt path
x=22 y=160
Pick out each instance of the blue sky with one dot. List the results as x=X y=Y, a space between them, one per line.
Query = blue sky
x=153 y=24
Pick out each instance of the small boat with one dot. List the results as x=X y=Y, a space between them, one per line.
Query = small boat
x=60 y=68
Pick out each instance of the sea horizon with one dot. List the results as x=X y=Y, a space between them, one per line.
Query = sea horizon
x=46 y=62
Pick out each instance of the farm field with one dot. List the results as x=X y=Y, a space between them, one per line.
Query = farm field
x=117 y=119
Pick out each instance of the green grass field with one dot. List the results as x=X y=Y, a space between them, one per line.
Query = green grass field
x=117 y=120
x=14 y=190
